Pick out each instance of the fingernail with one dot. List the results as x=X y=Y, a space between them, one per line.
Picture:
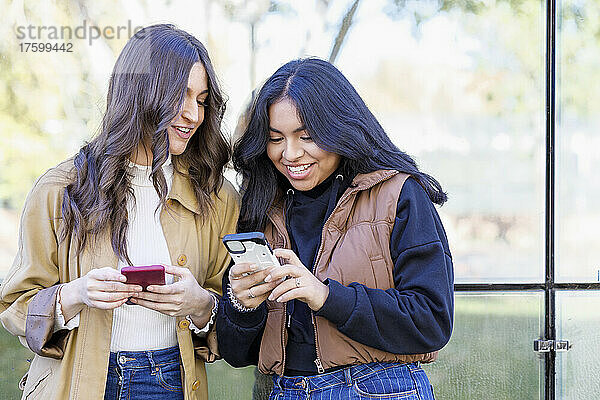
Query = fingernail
x=253 y=267
x=268 y=278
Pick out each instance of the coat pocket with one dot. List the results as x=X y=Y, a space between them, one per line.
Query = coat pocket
x=36 y=381
x=34 y=388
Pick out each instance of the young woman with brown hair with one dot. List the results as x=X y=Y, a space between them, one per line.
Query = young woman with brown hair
x=147 y=190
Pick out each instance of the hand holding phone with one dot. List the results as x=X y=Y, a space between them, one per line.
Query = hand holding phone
x=144 y=275
x=247 y=281
x=252 y=248
x=185 y=296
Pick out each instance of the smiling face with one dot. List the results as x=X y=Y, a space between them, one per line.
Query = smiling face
x=292 y=150
x=190 y=117
x=185 y=124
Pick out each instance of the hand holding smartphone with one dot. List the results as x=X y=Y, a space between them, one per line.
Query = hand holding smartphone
x=144 y=275
x=252 y=248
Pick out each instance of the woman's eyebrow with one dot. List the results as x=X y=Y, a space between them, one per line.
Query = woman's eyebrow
x=190 y=90
x=300 y=129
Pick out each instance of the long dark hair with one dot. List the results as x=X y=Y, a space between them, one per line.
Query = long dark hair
x=336 y=118
x=145 y=94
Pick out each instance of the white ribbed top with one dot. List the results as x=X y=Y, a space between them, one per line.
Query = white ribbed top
x=137 y=328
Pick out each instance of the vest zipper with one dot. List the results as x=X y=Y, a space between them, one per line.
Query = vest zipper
x=320 y=368
x=284 y=336
x=317 y=361
x=284 y=329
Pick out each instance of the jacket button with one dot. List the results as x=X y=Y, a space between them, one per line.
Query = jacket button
x=196 y=385
x=184 y=324
x=182 y=259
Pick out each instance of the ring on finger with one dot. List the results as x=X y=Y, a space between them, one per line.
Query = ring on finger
x=297 y=282
x=250 y=294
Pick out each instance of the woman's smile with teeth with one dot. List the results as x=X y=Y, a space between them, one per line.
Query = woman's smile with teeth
x=183 y=130
x=298 y=168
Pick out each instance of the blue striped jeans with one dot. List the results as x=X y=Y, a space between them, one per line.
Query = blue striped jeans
x=367 y=381
x=148 y=375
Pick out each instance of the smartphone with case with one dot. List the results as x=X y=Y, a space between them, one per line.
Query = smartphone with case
x=144 y=275
x=250 y=247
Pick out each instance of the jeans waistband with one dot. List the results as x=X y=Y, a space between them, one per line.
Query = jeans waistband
x=341 y=376
x=145 y=359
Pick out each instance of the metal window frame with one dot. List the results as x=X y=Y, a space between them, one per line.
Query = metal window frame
x=549 y=286
x=549 y=289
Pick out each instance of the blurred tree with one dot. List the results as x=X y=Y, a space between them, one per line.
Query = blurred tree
x=49 y=100
x=343 y=31
x=250 y=13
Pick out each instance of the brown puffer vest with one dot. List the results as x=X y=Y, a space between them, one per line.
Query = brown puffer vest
x=354 y=237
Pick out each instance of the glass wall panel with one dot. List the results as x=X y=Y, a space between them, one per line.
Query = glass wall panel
x=490 y=355
x=578 y=141
x=226 y=382
x=461 y=87
x=578 y=321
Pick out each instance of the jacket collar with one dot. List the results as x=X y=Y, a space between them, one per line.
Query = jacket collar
x=360 y=182
x=368 y=180
x=183 y=192
x=181 y=189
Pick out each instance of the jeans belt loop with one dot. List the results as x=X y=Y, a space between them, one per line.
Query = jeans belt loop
x=413 y=367
x=153 y=367
x=348 y=376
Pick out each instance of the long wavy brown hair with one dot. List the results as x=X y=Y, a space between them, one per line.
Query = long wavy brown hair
x=146 y=92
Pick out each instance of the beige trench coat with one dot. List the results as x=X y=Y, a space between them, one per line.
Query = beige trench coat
x=42 y=262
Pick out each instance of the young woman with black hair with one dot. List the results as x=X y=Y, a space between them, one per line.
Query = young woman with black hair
x=366 y=290
x=147 y=190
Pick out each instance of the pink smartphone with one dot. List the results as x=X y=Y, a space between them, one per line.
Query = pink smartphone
x=144 y=275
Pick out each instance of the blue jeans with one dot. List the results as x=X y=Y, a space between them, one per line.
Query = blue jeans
x=147 y=375
x=368 y=381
